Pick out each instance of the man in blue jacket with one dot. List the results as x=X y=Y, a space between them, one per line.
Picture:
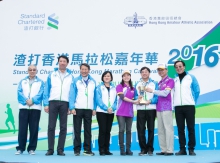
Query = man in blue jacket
x=186 y=93
x=30 y=96
x=56 y=102
x=83 y=107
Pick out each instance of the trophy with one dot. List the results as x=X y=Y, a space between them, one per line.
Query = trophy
x=142 y=93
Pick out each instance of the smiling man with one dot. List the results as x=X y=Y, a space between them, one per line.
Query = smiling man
x=56 y=102
x=30 y=96
x=186 y=93
x=164 y=111
x=83 y=106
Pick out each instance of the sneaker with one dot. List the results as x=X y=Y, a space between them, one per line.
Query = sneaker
x=88 y=153
x=18 y=152
x=77 y=153
x=150 y=153
x=161 y=153
x=191 y=152
x=31 y=152
x=142 y=153
x=181 y=152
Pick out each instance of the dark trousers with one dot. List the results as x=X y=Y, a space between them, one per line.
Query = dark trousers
x=105 y=125
x=186 y=113
x=143 y=117
x=124 y=122
x=28 y=118
x=57 y=108
x=84 y=115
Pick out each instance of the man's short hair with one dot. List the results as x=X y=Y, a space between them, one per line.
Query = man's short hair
x=85 y=64
x=143 y=68
x=178 y=62
x=63 y=56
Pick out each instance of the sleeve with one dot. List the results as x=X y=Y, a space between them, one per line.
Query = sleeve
x=195 y=88
x=167 y=90
x=135 y=92
x=155 y=97
x=119 y=89
x=94 y=99
x=99 y=101
x=38 y=98
x=162 y=93
x=115 y=104
x=71 y=95
x=46 y=93
x=21 y=98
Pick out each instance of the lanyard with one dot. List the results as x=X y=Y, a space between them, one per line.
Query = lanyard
x=85 y=84
x=109 y=103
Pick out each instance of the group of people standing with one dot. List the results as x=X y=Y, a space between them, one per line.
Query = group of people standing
x=62 y=94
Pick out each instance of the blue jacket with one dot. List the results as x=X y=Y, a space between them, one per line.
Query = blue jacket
x=106 y=99
x=148 y=96
x=56 y=88
x=34 y=92
x=187 y=91
x=82 y=96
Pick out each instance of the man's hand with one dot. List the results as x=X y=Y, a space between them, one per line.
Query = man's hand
x=29 y=102
x=148 y=89
x=93 y=113
x=68 y=112
x=46 y=109
x=73 y=112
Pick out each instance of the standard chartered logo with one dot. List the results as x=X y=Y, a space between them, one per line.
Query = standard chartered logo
x=53 y=21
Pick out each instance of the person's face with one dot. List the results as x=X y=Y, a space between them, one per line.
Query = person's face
x=126 y=78
x=62 y=64
x=84 y=71
x=145 y=74
x=32 y=71
x=107 y=78
x=162 y=72
x=179 y=67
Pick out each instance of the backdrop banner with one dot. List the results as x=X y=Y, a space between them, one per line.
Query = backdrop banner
x=110 y=35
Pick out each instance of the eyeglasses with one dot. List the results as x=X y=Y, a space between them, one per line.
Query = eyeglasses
x=31 y=69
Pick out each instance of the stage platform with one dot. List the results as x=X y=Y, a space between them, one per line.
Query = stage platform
x=203 y=156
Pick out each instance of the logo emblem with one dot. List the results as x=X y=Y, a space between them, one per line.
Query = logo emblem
x=53 y=21
x=135 y=21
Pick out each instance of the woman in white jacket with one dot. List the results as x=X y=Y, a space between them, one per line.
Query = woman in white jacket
x=106 y=99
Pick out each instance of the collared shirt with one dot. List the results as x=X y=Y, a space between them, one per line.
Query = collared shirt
x=165 y=103
x=125 y=108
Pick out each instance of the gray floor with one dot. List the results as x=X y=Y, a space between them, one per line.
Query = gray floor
x=203 y=156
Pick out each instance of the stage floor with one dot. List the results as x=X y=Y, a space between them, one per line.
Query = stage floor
x=203 y=156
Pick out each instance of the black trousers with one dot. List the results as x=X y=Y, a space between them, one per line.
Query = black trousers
x=105 y=125
x=186 y=113
x=84 y=115
x=28 y=118
x=57 y=108
x=143 y=117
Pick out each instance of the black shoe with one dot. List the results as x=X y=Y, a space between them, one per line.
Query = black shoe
x=128 y=152
x=142 y=153
x=76 y=153
x=88 y=153
x=49 y=153
x=122 y=153
x=108 y=153
x=191 y=152
x=102 y=153
x=60 y=153
x=150 y=153
x=181 y=152
x=168 y=154
x=161 y=153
